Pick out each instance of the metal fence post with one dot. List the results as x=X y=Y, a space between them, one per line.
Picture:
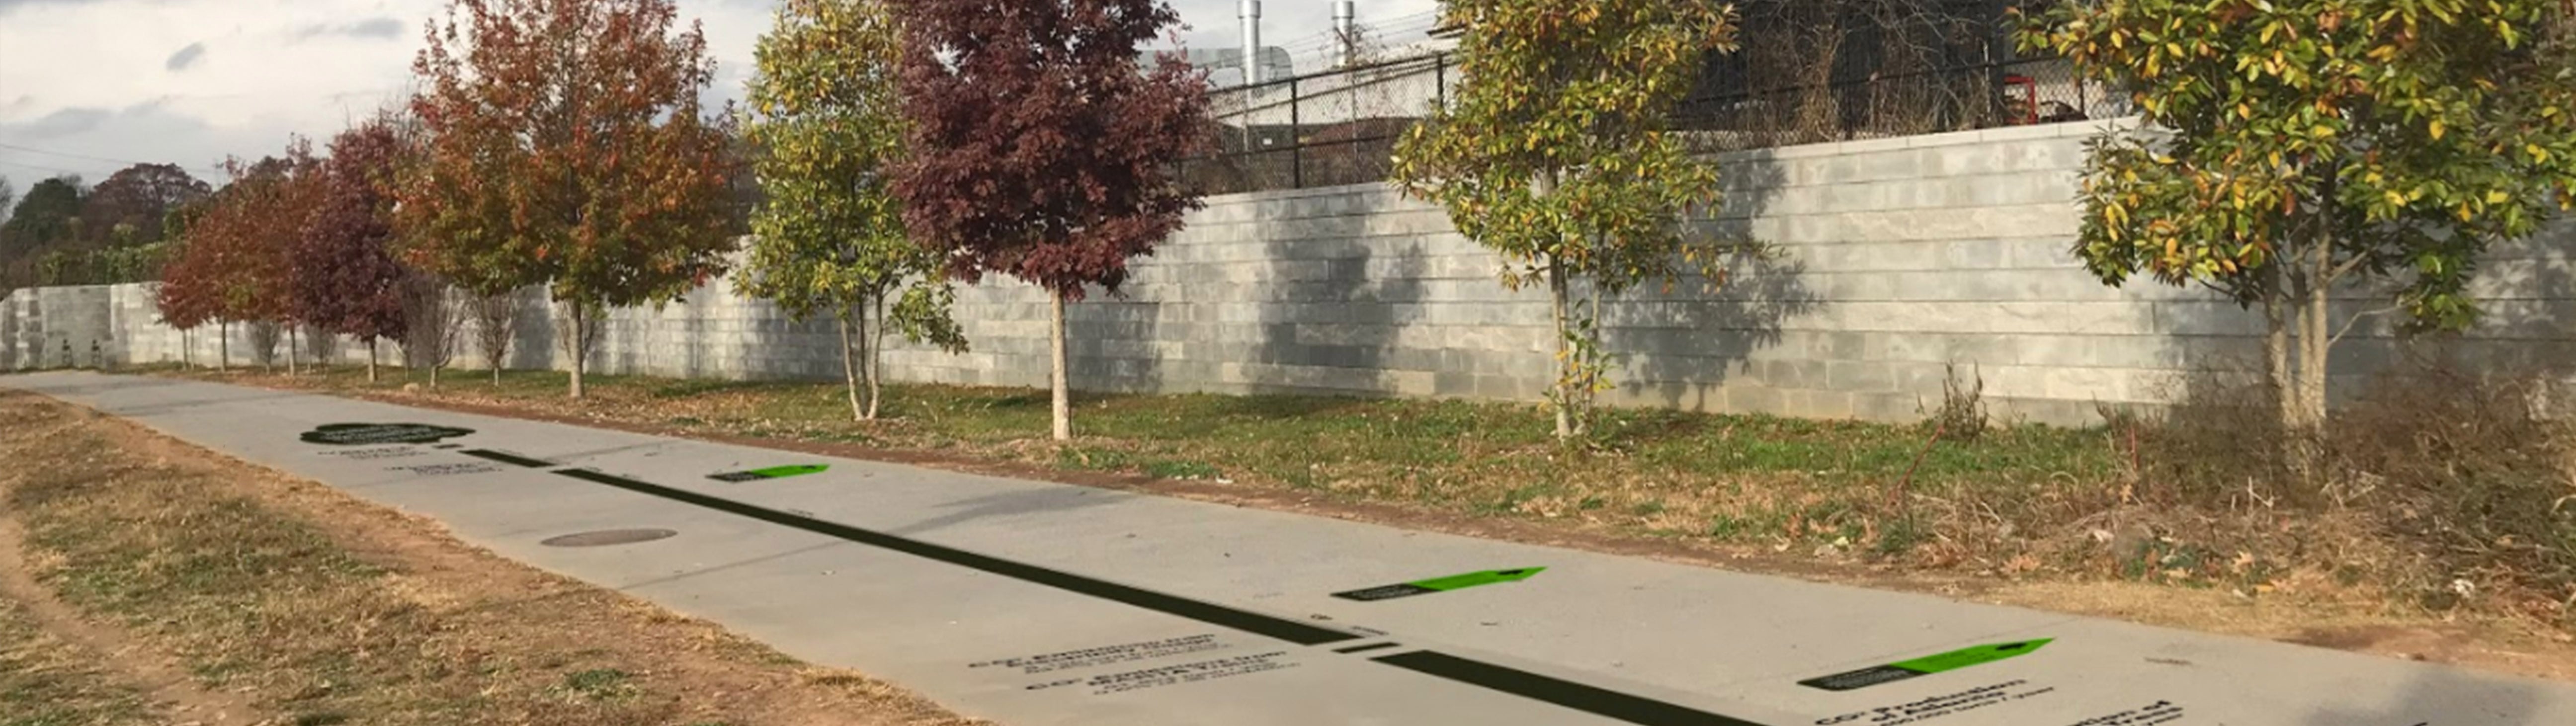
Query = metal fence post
x=1440 y=81
x=1296 y=137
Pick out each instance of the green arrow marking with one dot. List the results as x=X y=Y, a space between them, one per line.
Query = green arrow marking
x=1472 y=579
x=1979 y=655
x=1924 y=666
x=775 y=472
x=1438 y=584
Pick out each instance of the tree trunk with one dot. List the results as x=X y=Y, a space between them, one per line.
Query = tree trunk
x=850 y=365
x=876 y=360
x=1583 y=422
x=371 y=360
x=433 y=376
x=2277 y=370
x=2314 y=337
x=579 y=347
x=186 y=361
x=291 y=345
x=1063 y=398
x=1565 y=363
x=223 y=345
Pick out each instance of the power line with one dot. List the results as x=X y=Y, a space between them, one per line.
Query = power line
x=87 y=157
x=38 y=167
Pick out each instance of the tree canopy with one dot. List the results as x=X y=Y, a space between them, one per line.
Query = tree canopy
x=136 y=199
x=566 y=145
x=1558 y=154
x=829 y=236
x=348 y=280
x=2297 y=145
x=1038 y=150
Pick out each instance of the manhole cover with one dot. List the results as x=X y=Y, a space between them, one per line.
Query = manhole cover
x=608 y=537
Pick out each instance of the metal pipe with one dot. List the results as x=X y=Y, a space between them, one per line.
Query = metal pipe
x=1346 y=32
x=1251 y=14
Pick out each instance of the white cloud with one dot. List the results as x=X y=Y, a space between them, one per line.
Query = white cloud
x=96 y=78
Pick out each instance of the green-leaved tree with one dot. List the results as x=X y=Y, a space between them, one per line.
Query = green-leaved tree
x=2294 y=146
x=1559 y=154
x=830 y=236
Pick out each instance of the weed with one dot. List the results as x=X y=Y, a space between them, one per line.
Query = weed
x=2461 y=472
x=1094 y=459
x=1962 y=416
x=599 y=683
x=1171 y=469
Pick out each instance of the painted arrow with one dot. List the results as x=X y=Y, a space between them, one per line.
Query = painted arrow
x=1439 y=584
x=775 y=472
x=1924 y=666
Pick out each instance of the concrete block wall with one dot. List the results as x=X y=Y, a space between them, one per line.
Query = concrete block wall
x=1895 y=258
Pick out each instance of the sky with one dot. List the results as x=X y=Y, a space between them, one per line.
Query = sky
x=91 y=86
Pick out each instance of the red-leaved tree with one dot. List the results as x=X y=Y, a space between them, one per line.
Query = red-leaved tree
x=237 y=260
x=1039 y=149
x=183 y=299
x=347 y=280
x=565 y=144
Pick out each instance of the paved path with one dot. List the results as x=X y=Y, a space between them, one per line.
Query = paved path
x=1043 y=604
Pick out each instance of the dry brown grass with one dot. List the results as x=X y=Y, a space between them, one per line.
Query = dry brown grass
x=326 y=610
x=2447 y=490
x=46 y=680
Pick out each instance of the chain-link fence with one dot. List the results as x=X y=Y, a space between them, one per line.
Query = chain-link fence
x=1806 y=71
x=1321 y=129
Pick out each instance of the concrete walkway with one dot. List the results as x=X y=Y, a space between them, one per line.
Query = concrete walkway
x=1040 y=604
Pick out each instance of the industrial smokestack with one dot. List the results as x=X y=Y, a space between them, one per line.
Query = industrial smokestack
x=1346 y=31
x=1251 y=12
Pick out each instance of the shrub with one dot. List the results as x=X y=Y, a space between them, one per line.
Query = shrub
x=2462 y=472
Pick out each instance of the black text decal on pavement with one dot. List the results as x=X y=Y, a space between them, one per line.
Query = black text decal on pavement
x=1952 y=704
x=1173 y=675
x=2148 y=715
x=353 y=434
x=447 y=469
x=1105 y=655
x=374 y=452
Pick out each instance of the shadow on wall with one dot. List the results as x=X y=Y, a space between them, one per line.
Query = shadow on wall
x=1332 y=315
x=533 y=332
x=1112 y=340
x=2528 y=328
x=1680 y=346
